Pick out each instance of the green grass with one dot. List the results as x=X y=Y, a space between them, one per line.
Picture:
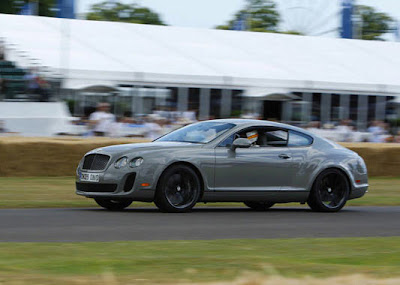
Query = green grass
x=51 y=192
x=191 y=261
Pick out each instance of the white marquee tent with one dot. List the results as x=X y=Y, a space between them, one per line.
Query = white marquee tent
x=109 y=53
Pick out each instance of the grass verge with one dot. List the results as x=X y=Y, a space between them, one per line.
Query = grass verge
x=53 y=192
x=196 y=261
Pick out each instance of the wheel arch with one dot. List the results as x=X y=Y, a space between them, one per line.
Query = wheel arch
x=342 y=170
x=192 y=166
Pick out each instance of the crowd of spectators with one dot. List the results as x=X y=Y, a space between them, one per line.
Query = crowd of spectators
x=103 y=123
x=346 y=131
x=34 y=87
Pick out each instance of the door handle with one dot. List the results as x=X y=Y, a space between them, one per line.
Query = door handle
x=284 y=156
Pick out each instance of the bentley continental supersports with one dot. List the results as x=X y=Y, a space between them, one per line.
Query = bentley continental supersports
x=259 y=163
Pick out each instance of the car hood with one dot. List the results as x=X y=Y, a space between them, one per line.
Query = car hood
x=127 y=148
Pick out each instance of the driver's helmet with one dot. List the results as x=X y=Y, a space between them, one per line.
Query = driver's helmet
x=252 y=136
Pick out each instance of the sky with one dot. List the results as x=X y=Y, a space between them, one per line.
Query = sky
x=210 y=13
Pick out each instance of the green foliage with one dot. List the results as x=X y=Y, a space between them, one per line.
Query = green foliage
x=119 y=12
x=261 y=16
x=374 y=24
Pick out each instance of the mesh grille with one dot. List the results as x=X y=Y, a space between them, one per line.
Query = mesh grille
x=90 y=187
x=95 y=162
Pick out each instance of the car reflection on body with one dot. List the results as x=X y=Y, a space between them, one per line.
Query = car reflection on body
x=256 y=162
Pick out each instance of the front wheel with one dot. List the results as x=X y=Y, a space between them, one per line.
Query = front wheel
x=330 y=191
x=178 y=190
x=113 y=205
x=259 y=206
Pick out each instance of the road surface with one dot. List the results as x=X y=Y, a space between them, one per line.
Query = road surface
x=95 y=224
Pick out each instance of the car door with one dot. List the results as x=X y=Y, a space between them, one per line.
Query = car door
x=266 y=166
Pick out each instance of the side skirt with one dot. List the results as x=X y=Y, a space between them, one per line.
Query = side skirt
x=241 y=196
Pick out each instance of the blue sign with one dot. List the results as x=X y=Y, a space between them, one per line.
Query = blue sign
x=397 y=32
x=66 y=9
x=347 y=19
x=241 y=23
x=28 y=9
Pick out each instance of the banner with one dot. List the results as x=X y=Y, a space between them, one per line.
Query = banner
x=66 y=9
x=29 y=9
x=347 y=19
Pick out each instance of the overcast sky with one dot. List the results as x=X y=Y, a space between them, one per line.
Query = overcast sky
x=210 y=13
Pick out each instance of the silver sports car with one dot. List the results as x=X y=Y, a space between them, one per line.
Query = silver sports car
x=256 y=162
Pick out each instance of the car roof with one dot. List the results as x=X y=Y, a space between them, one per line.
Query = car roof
x=250 y=122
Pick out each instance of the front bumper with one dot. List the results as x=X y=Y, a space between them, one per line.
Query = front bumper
x=118 y=184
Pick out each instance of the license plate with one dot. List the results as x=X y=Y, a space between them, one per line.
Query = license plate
x=90 y=177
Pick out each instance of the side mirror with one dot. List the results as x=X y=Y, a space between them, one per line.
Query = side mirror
x=240 y=143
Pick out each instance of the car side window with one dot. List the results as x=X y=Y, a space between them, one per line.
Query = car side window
x=228 y=141
x=274 y=138
x=299 y=139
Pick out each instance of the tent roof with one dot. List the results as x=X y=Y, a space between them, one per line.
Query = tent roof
x=110 y=53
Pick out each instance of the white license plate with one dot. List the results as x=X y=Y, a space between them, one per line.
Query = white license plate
x=90 y=177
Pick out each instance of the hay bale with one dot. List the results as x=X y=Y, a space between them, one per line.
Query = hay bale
x=381 y=159
x=47 y=157
x=26 y=157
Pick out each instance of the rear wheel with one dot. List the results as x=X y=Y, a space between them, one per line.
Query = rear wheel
x=259 y=206
x=113 y=205
x=178 y=190
x=330 y=191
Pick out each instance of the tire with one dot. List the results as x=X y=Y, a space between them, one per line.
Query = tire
x=330 y=191
x=113 y=205
x=259 y=206
x=178 y=189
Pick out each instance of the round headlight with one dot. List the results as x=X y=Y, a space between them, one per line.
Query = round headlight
x=122 y=162
x=136 y=162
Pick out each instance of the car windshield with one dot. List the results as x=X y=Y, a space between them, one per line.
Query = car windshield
x=197 y=133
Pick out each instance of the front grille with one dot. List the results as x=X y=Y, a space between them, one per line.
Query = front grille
x=95 y=162
x=91 y=187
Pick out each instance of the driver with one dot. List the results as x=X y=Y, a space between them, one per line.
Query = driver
x=252 y=137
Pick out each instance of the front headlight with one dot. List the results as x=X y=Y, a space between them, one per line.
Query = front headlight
x=122 y=162
x=136 y=162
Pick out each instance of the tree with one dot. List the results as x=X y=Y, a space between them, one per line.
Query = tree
x=119 y=12
x=259 y=16
x=45 y=7
x=373 y=24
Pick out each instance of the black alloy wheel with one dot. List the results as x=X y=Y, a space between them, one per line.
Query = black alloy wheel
x=259 y=206
x=178 y=190
x=113 y=205
x=330 y=191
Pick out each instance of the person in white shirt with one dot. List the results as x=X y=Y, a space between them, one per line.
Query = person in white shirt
x=102 y=120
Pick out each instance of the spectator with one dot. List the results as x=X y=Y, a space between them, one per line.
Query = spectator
x=31 y=79
x=397 y=138
x=154 y=130
x=345 y=130
x=377 y=132
x=102 y=120
x=43 y=88
x=3 y=128
x=2 y=53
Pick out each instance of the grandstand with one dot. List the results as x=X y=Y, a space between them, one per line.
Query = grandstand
x=284 y=77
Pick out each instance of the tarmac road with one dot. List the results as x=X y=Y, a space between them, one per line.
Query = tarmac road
x=95 y=224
